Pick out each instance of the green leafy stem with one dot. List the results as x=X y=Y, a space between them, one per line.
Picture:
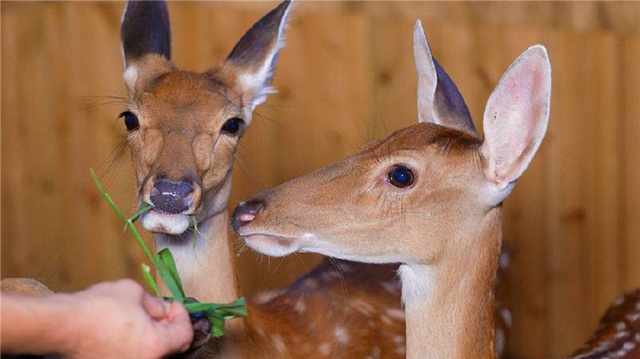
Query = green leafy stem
x=165 y=265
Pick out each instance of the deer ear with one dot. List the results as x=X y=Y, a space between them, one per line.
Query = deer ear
x=146 y=42
x=255 y=56
x=516 y=117
x=439 y=100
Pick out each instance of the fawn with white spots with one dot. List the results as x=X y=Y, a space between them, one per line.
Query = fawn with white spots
x=429 y=197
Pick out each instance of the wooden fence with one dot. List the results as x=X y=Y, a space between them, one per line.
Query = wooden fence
x=345 y=76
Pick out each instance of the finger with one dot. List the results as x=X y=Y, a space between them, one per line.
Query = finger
x=178 y=327
x=155 y=307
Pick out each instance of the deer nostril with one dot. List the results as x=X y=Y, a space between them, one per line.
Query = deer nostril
x=245 y=213
x=171 y=197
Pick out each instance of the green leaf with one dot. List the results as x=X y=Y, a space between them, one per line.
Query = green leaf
x=166 y=266
x=217 y=325
x=146 y=273
x=144 y=208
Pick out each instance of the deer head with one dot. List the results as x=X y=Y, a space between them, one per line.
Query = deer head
x=184 y=127
x=408 y=198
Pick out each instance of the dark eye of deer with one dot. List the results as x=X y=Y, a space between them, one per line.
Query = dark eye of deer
x=232 y=126
x=130 y=120
x=400 y=176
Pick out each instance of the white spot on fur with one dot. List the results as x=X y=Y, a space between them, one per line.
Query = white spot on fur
x=259 y=330
x=396 y=314
x=506 y=317
x=501 y=341
x=620 y=326
x=300 y=306
x=633 y=317
x=310 y=283
x=330 y=275
x=361 y=306
x=324 y=349
x=621 y=335
x=618 y=301
x=266 y=297
x=278 y=343
x=341 y=334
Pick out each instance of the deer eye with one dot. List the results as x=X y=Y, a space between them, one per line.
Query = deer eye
x=400 y=176
x=130 y=120
x=232 y=126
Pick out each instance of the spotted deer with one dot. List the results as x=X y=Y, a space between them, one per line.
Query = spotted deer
x=618 y=333
x=428 y=197
x=183 y=132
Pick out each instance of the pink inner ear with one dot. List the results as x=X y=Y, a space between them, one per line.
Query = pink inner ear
x=516 y=116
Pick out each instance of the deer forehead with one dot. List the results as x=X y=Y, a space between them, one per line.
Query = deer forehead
x=426 y=148
x=189 y=99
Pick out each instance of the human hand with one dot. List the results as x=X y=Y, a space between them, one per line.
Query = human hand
x=120 y=320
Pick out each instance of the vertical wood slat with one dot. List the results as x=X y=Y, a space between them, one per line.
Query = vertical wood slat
x=602 y=115
x=630 y=188
x=566 y=217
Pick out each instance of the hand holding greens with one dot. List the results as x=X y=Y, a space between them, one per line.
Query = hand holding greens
x=165 y=265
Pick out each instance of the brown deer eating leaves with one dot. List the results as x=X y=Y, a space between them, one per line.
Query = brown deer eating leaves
x=183 y=132
x=429 y=197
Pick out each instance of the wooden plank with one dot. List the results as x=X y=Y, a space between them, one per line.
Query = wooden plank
x=602 y=118
x=630 y=135
x=568 y=294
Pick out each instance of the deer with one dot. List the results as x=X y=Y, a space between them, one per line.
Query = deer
x=618 y=332
x=183 y=129
x=429 y=197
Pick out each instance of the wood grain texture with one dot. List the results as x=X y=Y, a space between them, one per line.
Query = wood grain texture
x=345 y=76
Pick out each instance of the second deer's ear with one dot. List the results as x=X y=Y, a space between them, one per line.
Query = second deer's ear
x=146 y=42
x=439 y=100
x=516 y=117
x=255 y=56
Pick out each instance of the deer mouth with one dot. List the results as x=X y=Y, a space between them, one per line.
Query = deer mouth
x=274 y=245
x=167 y=223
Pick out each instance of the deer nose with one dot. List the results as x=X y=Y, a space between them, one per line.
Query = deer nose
x=245 y=213
x=170 y=197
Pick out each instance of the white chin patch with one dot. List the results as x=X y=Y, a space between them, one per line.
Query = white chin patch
x=271 y=246
x=165 y=223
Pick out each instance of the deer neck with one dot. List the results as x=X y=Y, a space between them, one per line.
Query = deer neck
x=449 y=305
x=205 y=260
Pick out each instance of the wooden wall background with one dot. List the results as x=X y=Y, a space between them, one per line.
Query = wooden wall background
x=345 y=76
